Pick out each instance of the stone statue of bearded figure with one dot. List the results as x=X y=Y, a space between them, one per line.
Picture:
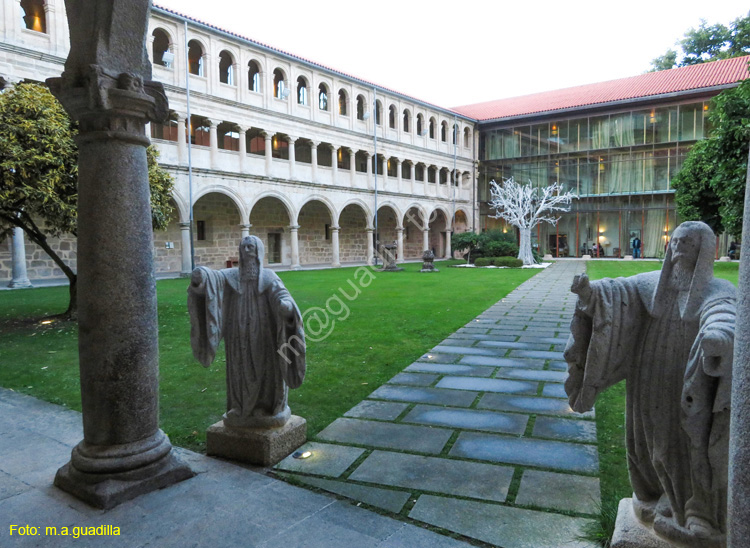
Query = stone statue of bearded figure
x=670 y=335
x=253 y=312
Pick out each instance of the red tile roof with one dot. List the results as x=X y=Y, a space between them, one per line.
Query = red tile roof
x=695 y=77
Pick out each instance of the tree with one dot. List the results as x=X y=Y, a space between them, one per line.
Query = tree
x=525 y=206
x=708 y=43
x=710 y=186
x=39 y=173
x=465 y=241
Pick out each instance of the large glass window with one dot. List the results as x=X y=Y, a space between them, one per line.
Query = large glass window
x=34 y=17
x=691 y=122
x=195 y=58
x=322 y=97
x=301 y=91
x=253 y=76
x=226 y=68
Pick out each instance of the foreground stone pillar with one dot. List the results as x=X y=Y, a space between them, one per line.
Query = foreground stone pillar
x=293 y=231
x=269 y=153
x=738 y=515
x=187 y=259
x=448 y=250
x=106 y=89
x=426 y=238
x=336 y=262
x=18 y=257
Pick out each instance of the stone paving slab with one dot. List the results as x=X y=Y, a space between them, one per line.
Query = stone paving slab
x=326 y=460
x=532 y=374
x=559 y=491
x=554 y=390
x=501 y=525
x=502 y=362
x=435 y=357
x=558 y=365
x=550 y=340
x=528 y=404
x=419 y=439
x=380 y=410
x=466 y=350
x=414 y=379
x=538 y=354
x=450 y=477
x=387 y=499
x=514 y=345
x=458 y=342
x=485 y=337
x=565 y=429
x=457 y=398
x=488 y=385
x=471 y=419
x=452 y=369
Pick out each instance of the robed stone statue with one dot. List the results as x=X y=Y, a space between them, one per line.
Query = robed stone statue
x=249 y=307
x=670 y=335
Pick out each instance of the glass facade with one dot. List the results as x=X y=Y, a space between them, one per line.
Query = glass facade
x=620 y=165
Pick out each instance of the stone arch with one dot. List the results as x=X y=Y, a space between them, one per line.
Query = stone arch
x=270 y=219
x=320 y=198
x=280 y=83
x=229 y=193
x=227 y=63
x=438 y=232
x=162 y=43
x=182 y=207
x=388 y=223
x=353 y=221
x=197 y=51
x=361 y=203
x=434 y=214
x=291 y=211
x=460 y=221
x=413 y=223
x=217 y=216
x=254 y=75
x=315 y=220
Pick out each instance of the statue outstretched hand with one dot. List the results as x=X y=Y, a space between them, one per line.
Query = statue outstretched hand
x=582 y=288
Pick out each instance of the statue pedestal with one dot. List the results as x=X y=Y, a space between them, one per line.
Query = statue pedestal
x=260 y=446
x=631 y=533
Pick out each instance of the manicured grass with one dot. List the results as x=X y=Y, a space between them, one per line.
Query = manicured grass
x=389 y=324
x=610 y=407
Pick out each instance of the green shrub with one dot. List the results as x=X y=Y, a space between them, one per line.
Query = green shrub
x=483 y=261
x=511 y=262
x=496 y=243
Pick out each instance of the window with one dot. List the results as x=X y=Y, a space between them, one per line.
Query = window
x=392 y=117
x=166 y=130
x=360 y=107
x=161 y=54
x=228 y=137
x=303 y=151
x=200 y=230
x=406 y=170
x=378 y=110
x=324 y=155
x=279 y=87
x=342 y=102
x=199 y=131
x=256 y=141
x=420 y=124
x=302 y=91
x=322 y=97
x=455 y=133
x=431 y=171
x=253 y=76
x=360 y=162
x=392 y=167
x=343 y=158
x=467 y=138
x=328 y=232
x=444 y=132
x=34 y=17
x=419 y=172
x=226 y=68
x=195 y=58
x=280 y=147
x=407 y=119
x=432 y=128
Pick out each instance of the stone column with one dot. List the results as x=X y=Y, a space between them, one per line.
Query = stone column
x=425 y=239
x=243 y=147
x=370 y=182
x=244 y=231
x=738 y=517
x=353 y=166
x=335 y=247
x=182 y=153
x=334 y=165
x=370 y=246
x=295 y=246
x=106 y=89
x=187 y=259
x=398 y=174
x=400 y=244
x=292 y=159
x=269 y=154
x=18 y=257
x=314 y=164
x=213 y=142
x=448 y=233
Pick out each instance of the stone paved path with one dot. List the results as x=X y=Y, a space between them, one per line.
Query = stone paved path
x=477 y=436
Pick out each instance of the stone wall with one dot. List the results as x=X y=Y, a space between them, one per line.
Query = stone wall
x=413 y=235
x=353 y=235
x=269 y=216
x=314 y=248
x=222 y=238
x=165 y=259
x=39 y=265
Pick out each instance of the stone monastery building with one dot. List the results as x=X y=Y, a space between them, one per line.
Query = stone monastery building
x=303 y=156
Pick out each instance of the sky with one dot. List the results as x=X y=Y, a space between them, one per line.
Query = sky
x=458 y=53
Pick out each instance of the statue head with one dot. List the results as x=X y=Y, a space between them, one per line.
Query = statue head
x=688 y=266
x=251 y=257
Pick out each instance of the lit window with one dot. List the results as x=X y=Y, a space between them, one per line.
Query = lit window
x=279 y=88
x=432 y=128
x=407 y=117
x=34 y=17
x=392 y=117
x=161 y=54
x=226 y=68
x=342 y=102
x=322 y=97
x=195 y=58
x=301 y=91
x=253 y=76
x=360 y=107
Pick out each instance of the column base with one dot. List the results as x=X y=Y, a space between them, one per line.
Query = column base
x=631 y=533
x=106 y=491
x=20 y=284
x=260 y=446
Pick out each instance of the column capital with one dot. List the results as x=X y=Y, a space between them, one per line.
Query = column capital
x=369 y=229
x=211 y=123
x=291 y=138
x=294 y=228
x=246 y=226
x=185 y=225
x=399 y=229
x=241 y=128
x=267 y=134
x=315 y=144
x=335 y=228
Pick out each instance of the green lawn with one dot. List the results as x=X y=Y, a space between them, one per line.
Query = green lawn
x=610 y=406
x=392 y=322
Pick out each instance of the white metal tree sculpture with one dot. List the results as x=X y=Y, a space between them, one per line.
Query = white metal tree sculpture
x=525 y=206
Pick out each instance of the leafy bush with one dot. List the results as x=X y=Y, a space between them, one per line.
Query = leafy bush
x=496 y=243
x=483 y=261
x=510 y=262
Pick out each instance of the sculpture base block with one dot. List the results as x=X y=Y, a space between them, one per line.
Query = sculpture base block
x=631 y=533
x=393 y=269
x=261 y=446
x=725 y=259
x=429 y=270
x=586 y=257
x=108 y=490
